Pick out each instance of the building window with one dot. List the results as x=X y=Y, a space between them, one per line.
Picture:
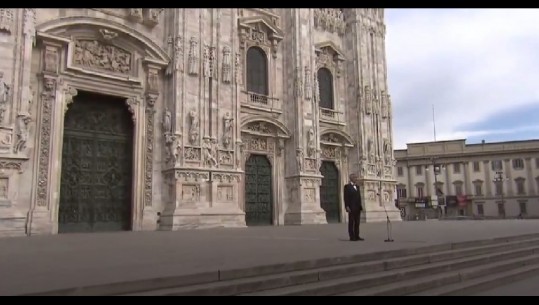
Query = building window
x=496 y=165
x=536 y=162
x=499 y=188
x=520 y=186
x=480 y=209
x=257 y=71
x=400 y=172
x=478 y=189
x=501 y=209
x=401 y=191
x=523 y=208
x=518 y=164
x=456 y=168
x=476 y=167
x=458 y=189
x=325 y=85
x=418 y=170
x=420 y=192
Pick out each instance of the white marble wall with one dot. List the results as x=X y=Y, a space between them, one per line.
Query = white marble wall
x=195 y=123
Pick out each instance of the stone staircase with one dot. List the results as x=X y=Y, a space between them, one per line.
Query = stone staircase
x=447 y=269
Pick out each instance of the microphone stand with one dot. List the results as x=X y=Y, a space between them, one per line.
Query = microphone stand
x=389 y=239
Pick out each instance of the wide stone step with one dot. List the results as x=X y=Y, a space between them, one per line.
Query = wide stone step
x=380 y=278
x=251 y=284
x=407 y=287
x=349 y=265
x=483 y=283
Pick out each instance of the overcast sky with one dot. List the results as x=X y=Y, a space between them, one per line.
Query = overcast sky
x=478 y=67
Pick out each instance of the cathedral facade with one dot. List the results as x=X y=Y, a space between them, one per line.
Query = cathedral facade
x=164 y=119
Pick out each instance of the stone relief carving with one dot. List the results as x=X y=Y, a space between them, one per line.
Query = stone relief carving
x=70 y=93
x=135 y=14
x=311 y=145
x=330 y=152
x=167 y=121
x=152 y=81
x=330 y=138
x=237 y=67
x=175 y=51
x=298 y=83
x=150 y=114
x=153 y=16
x=299 y=159
x=108 y=34
x=193 y=128
x=260 y=144
x=311 y=164
x=131 y=106
x=212 y=71
x=10 y=164
x=260 y=34
x=51 y=60
x=308 y=84
x=226 y=157
x=192 y=154
x=192 y=60
x=6 y=19
x=190 y=192
x=227 y=65
x=170 y=155
x=5 y=93
x=178 y=150
x=192 y=176
x=227 y=130
x=206 y=71
x=330 y=20
x=260 y=127
x=225 y=193
x=209 y=152
x=309 y=194
x=96 y=55
x=226 y=177
x=48 y=96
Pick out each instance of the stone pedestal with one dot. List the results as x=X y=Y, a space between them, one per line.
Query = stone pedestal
x=201 y=199
x=378 y=203
x=304 y=201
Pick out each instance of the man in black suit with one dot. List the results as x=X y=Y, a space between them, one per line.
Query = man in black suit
x=352 y=203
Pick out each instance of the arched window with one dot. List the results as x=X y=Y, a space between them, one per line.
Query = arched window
x=325 y=85
x=257 y=71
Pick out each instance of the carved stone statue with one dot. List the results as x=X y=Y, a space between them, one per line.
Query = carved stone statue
x=193 y=129
x=370 y=150
x=311 y=146
x=22 y=133
x=299 y=159
x=227 y=133
x=4 y=96
x=208 y=151
x=192 y=61
x=167 y=121
x=384 y=104
x=387 y=151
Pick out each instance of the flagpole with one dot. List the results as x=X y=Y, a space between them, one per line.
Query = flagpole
x=433 y=123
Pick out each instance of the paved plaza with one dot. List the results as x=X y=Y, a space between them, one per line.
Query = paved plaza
x=40 y=263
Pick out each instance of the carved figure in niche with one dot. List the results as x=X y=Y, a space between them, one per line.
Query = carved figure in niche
x=169 y=142
x=387 y=151
x=208 y=151
x=4 y=96
x=193 y=129
x=227 y=137
x=299 y=159
x=192 y=60
x=370 y=150
x=384 y=104
x=167 y=121
x=310 y=143
x=22 y=133
x=178 y=152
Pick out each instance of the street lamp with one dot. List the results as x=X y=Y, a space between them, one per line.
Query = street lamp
x=437 y=170
x=499 y=179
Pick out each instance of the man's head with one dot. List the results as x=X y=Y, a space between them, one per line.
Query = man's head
x=353 y=178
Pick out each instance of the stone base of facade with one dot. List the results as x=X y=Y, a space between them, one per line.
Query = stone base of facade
x=305 y=218
x=201 y=219
x=41 y=224
x=149 y=220
x=12 y=225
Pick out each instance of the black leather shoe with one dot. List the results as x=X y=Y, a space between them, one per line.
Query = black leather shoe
x=359 y=238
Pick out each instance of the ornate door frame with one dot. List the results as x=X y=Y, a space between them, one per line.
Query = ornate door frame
x=59 y=82
x=265 y=136
x=334 y=146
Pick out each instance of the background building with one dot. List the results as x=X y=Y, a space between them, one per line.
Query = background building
x=487 y=180
x=145 y=119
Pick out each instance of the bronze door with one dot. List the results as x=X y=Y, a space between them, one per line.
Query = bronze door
x=329 y=191
x=258 y=196
x=96 y=178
